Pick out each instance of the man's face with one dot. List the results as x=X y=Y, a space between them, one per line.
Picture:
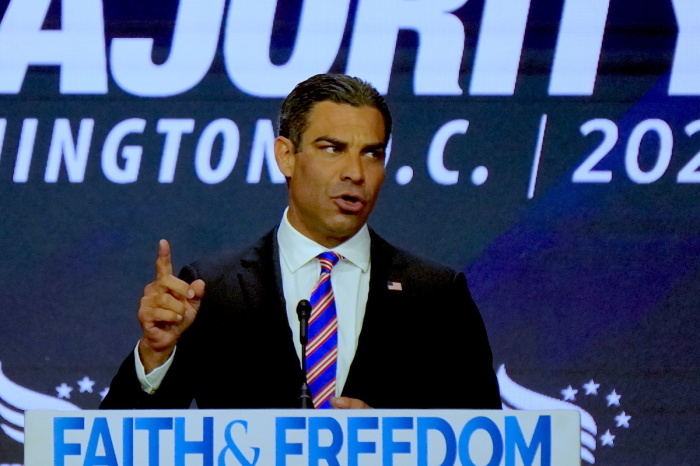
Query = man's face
x=335 y=178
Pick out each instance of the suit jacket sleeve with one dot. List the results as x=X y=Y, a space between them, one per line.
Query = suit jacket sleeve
x=175 y=391
x=239 y=351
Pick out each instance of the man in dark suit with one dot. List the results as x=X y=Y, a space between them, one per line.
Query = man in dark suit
x=225 y=332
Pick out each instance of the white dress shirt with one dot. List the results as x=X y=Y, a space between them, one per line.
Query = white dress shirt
x=349 y=278
x=300 y=273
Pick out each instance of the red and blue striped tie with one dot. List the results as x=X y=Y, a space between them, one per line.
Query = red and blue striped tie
x=322 y=348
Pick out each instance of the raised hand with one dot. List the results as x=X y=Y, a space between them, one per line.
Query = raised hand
x=168 y=307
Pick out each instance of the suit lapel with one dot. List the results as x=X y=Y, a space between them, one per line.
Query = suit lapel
x=261 y=279
x=380 y=311
x=261 y=287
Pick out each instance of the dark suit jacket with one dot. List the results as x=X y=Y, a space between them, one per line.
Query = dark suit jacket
x=422 y=347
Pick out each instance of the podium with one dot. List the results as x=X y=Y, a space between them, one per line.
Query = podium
x=301 y=437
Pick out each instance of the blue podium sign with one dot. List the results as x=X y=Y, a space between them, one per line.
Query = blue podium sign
x=301 y=437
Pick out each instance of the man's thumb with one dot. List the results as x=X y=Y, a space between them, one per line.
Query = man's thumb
x=198 y=287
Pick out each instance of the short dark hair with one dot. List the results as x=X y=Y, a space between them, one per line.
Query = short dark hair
x=338 y=88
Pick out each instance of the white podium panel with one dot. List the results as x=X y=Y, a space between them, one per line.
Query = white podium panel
x=301 y=437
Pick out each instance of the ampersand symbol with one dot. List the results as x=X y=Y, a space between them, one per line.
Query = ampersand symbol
x=233 y=448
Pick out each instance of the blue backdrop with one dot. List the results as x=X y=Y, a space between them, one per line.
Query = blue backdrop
x=549 y=148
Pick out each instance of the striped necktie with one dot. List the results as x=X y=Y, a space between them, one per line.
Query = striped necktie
x=322 y=348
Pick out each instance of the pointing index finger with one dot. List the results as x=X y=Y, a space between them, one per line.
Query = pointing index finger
x=164 y=265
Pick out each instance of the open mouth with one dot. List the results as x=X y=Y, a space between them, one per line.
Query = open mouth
x=350 y=203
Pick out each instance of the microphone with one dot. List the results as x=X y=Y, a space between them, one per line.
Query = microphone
x=304 y=312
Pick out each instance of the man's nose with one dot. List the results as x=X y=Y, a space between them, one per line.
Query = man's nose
x=353 y=170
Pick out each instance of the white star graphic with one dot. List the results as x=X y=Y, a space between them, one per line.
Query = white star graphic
x=64 y=390
x=613 y=398
x=104 y=392
x=607 y=439
x=569 y=393
x=86 y=385
x=591 y=387
x=623 y=420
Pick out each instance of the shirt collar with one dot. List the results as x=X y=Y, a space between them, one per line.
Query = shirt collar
x=296 y=249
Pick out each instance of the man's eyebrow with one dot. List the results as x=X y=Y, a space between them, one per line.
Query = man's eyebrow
x=331 y=140
x=379 y=146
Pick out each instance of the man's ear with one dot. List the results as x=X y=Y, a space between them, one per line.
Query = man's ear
x=284 y=154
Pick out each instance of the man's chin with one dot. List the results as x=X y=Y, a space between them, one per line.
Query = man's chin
x=345 y=226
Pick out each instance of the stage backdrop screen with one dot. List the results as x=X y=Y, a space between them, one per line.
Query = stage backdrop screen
x=550 y=149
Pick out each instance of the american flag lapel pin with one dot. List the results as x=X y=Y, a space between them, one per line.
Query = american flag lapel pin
x=394 y=286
